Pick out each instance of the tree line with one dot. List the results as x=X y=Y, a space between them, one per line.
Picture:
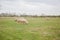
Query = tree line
x=22 y=15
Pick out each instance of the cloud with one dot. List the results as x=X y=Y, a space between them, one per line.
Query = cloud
x=31 y=6
x=51 y=2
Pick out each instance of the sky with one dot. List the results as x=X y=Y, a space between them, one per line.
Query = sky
x=31 y=7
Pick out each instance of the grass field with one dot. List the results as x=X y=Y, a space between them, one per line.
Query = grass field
x=37 y=29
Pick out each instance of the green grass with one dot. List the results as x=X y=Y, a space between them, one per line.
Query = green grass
x=37 y=29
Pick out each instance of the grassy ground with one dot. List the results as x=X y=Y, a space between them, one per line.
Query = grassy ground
x=37 y=29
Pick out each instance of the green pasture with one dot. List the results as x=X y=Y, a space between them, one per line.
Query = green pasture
x=38 y=28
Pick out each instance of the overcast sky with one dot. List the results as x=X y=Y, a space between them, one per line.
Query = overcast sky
x=47 y=7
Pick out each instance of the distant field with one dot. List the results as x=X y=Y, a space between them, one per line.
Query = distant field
x=47 y=28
